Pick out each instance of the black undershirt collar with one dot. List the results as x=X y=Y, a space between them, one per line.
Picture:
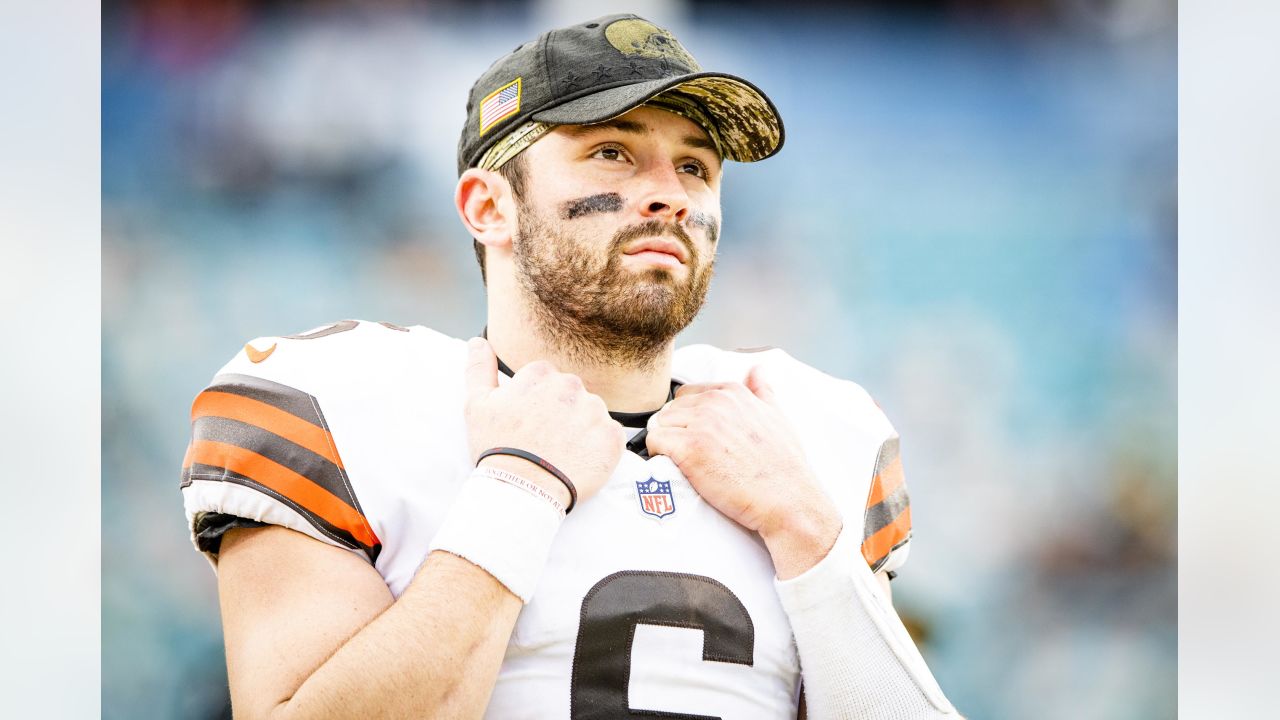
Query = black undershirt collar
x=628 y=420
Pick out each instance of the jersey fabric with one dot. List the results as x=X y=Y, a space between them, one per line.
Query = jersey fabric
x=354 y=434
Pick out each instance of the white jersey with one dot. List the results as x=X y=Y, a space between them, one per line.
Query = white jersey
x=650 y=600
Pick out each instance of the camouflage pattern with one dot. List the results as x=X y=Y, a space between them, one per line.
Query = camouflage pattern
x=512 y=144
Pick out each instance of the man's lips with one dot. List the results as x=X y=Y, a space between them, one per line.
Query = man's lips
x=658 y=245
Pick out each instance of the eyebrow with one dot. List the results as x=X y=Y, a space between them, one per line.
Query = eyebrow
x=699 y=141
x=631 y=127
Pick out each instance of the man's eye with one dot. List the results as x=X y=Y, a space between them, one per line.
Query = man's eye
x=610 y=153
x=693 y=167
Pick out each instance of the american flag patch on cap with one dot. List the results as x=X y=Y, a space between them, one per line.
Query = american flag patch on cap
x=499 y=104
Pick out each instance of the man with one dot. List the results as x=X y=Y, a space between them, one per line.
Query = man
x=407 y=525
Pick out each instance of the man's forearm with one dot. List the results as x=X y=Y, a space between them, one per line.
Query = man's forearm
x=856 y=659
x=435 y=652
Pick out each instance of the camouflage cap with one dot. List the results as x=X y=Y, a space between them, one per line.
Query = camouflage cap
x=598 y=70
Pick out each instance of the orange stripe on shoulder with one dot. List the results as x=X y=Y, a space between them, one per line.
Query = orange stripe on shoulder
x=886 y=481
x=286 y=482
x=882 y=542
x=212 y=403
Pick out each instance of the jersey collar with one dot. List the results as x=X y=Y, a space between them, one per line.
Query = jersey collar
x=628 y=420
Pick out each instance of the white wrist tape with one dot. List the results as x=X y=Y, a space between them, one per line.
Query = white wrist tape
x=856 y=658
x=504 y=527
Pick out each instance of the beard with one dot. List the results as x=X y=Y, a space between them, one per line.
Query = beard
x=592 y=307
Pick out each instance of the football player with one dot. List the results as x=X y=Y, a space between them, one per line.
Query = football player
x=567 y=517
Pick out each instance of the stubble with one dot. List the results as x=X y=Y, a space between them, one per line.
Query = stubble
x=594 y=309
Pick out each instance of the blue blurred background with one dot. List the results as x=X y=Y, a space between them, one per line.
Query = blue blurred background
x=974 y=217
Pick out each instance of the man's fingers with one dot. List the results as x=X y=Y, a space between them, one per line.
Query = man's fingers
x=691 y=389
x=755 y=382
x=534 y=371
x=482 y=368
x=670 y=416
x=667 y=441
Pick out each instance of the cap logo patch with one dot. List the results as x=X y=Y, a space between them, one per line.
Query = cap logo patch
x=499 y=105
x=633 y=36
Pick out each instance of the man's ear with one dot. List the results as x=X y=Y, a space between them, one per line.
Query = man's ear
x=485 y=206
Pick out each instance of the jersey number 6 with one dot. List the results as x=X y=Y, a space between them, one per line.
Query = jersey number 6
x=610 y=613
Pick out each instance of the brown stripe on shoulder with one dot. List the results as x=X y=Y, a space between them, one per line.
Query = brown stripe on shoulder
x=215 y=403
x=890 y=453
x=888 y=472
x=274 y=438
x=339 y=526
x=877 y=547
x=339 y=327
x=212 y=460
x=316 y=467
x=887 y=517
x=887 y=527
x=875 y=563
x=885 y=512
x=291 y=400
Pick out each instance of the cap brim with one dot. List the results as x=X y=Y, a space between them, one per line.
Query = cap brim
x=748 y=125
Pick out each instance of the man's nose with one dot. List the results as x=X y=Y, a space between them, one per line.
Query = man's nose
x=664 y=195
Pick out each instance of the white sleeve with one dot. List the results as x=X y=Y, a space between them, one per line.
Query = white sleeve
x=856 y=658
x=263 y=451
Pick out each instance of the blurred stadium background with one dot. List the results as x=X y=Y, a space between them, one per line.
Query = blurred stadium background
x=974 y=216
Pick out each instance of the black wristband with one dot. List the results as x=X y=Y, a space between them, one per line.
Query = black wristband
x=525 y=454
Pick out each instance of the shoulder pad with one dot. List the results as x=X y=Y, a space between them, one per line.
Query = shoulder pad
x=261 y=447
x=273 y=439
x=842 y=427
x=887 y=522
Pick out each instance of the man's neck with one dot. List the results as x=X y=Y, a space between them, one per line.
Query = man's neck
x=624 y=388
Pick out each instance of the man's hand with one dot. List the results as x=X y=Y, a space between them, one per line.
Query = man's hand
x=739 y=452
x=545 y=412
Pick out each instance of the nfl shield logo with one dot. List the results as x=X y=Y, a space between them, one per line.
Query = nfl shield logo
x=656 y=498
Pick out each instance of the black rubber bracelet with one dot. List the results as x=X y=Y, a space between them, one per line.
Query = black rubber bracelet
x=525 y=454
